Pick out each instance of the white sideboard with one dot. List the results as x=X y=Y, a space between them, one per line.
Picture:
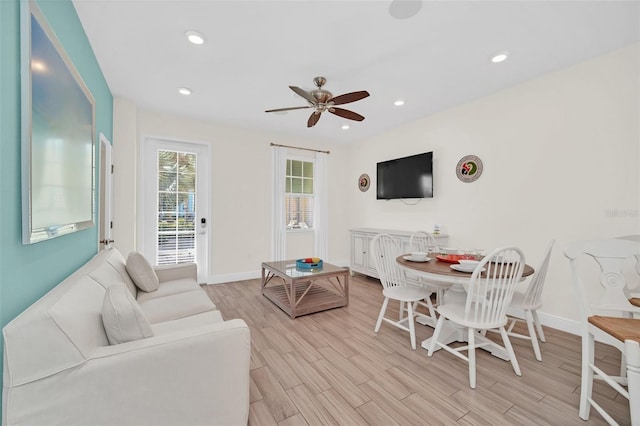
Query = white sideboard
x=361 y=238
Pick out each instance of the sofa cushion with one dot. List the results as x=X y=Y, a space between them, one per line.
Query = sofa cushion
x=203 y=319
x=122 y=317
x=141 y=272
x=118 y=262
x=176 y=306
x=169 y=288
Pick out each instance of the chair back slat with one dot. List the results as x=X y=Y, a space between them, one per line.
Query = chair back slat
x=385 y=250
x=424 y=242
x=533 y=295
x=609 y=254
x=634 y=237
x=489 y=293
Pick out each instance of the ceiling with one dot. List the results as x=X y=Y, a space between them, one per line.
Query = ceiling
x=254 y=50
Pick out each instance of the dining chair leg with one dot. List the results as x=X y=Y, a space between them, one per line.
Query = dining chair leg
x=436 y=335
x=536 y=321
x=623 y=365
x=471 y=354
x=401 y=312
x=632 y=349
x=381 y=315
x=510 y=352
x=432 y=310
x=532 y=335
x=586 y=383
x=412 y=326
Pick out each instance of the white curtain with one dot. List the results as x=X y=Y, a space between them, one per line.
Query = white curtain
x=320 y=207
x=278 y=229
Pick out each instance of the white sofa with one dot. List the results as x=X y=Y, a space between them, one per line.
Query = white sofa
x=60 y=369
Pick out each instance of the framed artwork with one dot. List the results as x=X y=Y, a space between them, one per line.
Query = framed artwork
x=58 y=135
x=469 y=168
x=364 y=182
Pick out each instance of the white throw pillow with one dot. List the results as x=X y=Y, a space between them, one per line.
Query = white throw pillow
x=122 y=317
x=141 y=272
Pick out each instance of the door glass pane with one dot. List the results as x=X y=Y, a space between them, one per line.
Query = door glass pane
x=177 y=175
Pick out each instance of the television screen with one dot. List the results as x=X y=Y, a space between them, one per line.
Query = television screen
x=406 y=177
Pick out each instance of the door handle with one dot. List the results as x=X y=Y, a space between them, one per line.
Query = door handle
x=106 y=242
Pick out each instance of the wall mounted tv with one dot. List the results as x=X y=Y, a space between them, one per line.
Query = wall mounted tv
x=406 y=177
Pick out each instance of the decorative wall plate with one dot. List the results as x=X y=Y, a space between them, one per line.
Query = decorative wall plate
x=469 y=168
x=363 y=182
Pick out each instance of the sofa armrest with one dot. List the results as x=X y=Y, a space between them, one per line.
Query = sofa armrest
x=176 y=272
x=196 y=376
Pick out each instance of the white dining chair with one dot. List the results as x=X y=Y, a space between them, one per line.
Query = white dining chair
x=609 y=254
x=489 y=293
x=385 y=250
x=634 y=296
x=422 y=241
x=528 y=302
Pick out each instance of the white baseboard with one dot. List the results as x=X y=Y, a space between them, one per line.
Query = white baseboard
x=556 y=322
x=562 y=324
x=240 y=276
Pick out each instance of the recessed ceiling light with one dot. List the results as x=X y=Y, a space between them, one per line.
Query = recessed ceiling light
x=499 y=57
x=345 y=127
x=399 y=102
x=184 y=91
x=194 y=37
x=404 y=9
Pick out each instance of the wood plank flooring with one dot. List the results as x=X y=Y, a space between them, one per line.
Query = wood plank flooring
x=330 y=368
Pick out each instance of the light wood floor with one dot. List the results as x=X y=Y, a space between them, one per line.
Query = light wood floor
x=330 y=368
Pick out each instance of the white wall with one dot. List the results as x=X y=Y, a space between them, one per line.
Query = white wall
x=240 y=222
x=560 y=155
x=124 y=176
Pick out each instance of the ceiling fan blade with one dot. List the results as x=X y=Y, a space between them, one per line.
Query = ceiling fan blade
x=345 y=113
x=288 y=109
x=304 y=94
x=313 y=119
x=349 y=97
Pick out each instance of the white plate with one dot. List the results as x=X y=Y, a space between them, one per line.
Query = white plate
x=461 y=268
x=412 y=259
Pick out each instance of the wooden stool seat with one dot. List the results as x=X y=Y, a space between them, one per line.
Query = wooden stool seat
x=620 y=328
x=635 y=301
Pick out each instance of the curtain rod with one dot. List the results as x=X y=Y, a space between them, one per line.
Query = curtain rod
x=297 y=147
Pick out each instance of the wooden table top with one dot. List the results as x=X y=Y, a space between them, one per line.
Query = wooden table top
x=437 y=267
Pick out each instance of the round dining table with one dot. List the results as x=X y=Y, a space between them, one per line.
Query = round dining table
x=441 y=273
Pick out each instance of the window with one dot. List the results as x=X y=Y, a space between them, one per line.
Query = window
x=176 y=230
x=299 y=197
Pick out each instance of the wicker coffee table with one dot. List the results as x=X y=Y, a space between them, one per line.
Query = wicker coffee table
x=300 y=292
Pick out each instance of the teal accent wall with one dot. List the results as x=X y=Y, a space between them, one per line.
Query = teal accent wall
x=27 y=272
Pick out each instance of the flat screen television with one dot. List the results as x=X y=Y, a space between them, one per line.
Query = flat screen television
x=406 y=177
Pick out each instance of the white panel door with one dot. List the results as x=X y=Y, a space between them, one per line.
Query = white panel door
x=175 y=219
x=106 y=194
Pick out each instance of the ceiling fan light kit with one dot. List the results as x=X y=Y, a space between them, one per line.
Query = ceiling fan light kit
x=322 y=100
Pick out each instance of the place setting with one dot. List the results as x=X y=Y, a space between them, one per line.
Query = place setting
x=466 y=265
x=417 y=256
x=461 y=260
